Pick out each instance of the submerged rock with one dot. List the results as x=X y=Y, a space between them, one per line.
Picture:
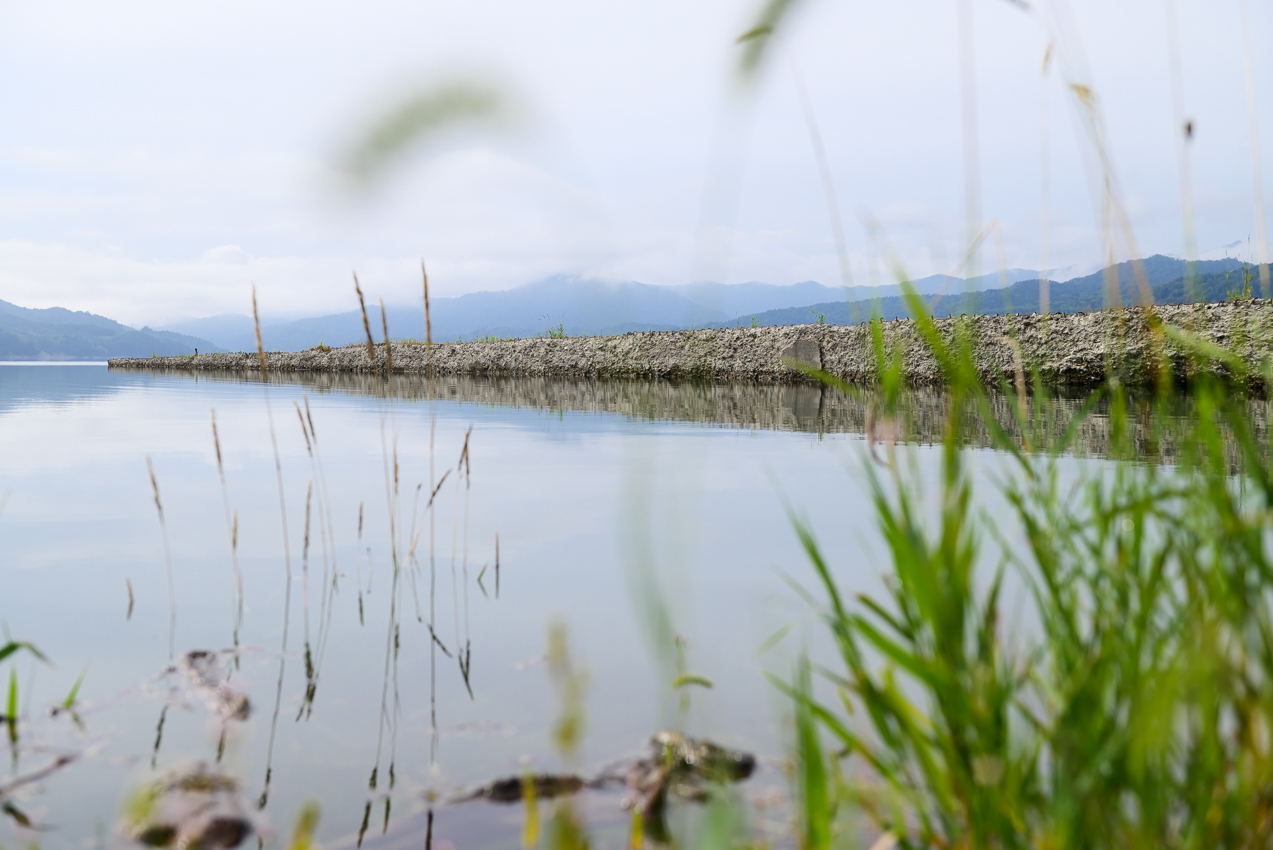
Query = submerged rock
x=512 y=789
x=675 y=764
x=193 y=807
x=684 y=767
x=204 y=670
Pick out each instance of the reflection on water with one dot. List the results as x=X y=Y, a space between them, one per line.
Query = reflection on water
x=924 y=412
x=363 y=573
x=393 y=657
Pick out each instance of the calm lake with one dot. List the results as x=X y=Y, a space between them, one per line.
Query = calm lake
x=609 y=501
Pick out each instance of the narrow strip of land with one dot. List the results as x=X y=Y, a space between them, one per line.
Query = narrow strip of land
x=1066 y=349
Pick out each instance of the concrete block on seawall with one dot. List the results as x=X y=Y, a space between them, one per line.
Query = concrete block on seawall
x=805 y=351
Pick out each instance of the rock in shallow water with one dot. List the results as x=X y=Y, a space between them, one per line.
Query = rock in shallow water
x=191 y=806
x=675 y=763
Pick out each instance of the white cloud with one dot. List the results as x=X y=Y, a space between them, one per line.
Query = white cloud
x=225 y=255
x=156 y=160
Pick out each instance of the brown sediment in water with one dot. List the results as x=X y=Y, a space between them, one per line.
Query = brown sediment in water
x=1067 y=349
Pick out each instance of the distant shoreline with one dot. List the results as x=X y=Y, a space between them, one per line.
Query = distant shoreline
x=54 y=362
x=1066 y=349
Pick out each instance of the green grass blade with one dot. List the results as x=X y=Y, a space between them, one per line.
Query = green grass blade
x=811 y=772
x=14 y=646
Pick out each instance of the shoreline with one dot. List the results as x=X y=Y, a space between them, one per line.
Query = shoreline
x=1075 y=349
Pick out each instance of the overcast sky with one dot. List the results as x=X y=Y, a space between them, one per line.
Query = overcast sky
x=157 y=158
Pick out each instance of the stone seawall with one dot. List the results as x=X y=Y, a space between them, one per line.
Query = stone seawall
x=1067 y=349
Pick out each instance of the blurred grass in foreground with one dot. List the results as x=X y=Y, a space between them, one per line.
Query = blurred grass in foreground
x=1140 y=714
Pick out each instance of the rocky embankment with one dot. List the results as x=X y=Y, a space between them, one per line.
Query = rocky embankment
x=1078 y=349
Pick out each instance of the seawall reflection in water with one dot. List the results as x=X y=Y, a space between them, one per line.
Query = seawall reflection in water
x=769 y=407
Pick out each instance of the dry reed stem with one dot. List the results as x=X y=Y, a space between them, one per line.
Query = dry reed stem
x=1045 y=189
x=434 y=486
x=1183 y=138
x=256 y=325
x=964 y=262
x=159 y=737
x=1253 y=117
x=466 y=660
x=464 y=458
x=455 y=534
x=309 y=447
x=172 y=591
x=971 y=140
x=428 y=507
x=309 y=497
x=384 y=327
x=366 y=325
x=287 y=619
x=311 y=684
x=1115 y=218
x=278 y=473
x=232 y=527
x=358 y=567
x=325 y=535
x=8 y=789
x=828 y=188
x=428 y=321
x=287 y=559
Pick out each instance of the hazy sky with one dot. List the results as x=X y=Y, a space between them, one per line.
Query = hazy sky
x=157 y=158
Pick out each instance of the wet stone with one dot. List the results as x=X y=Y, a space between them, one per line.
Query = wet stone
x=684 y=767
x=190 y=806
x=675 y=764
x=513 y=789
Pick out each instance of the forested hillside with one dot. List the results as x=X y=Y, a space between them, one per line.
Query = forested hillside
x=1209 y=281
x=59 y=334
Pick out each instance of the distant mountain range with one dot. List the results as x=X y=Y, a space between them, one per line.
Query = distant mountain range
x=59 y=334
x=578 y=305
x=1212 y=281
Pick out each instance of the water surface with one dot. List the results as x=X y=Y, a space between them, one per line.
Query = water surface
x=608 y=500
